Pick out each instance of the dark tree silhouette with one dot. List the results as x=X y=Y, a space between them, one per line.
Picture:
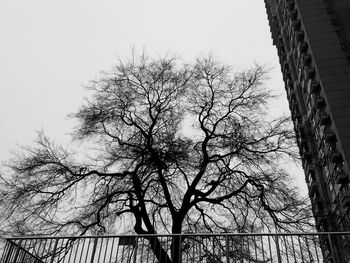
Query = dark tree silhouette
x=176 y=149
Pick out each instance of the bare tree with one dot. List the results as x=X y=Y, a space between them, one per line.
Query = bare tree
x=177 y=149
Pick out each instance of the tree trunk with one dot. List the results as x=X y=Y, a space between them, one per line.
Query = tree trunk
x=159 y=252
x=176 y=249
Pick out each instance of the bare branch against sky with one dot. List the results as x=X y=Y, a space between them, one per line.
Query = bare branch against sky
x=50 y=49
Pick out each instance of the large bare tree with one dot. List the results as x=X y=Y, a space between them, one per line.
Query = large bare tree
x=172 y=149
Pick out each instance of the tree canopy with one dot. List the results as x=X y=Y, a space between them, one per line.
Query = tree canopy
x=173 y=148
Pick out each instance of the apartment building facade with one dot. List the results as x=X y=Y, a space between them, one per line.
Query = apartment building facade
x=312 y=39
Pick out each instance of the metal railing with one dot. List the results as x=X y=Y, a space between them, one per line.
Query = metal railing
x=182 y=248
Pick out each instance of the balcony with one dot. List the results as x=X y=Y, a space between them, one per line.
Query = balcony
x=306 y=59
x=305 y=152
x=341 y=177
x=201 y=248
x=329 y=136
x=313 y=86
x=299 y=36
x=320 y=103
x=335 y=156
x=345 y=199
x=302 y=48
x=309 y=72
x=323 y=117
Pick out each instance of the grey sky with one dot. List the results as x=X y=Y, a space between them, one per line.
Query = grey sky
x=50 y=49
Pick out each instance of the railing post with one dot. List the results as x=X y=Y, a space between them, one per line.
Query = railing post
x=94 y=250
x=17 y=251
x=278 y=249
x=54 y=251
x=135 y=247
x=227 y=254
x=331 y=247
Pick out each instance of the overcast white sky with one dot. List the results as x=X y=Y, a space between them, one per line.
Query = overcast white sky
x=50 y=49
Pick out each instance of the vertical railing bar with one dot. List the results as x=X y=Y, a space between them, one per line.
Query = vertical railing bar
x=47 y=248
x=255 y=247
x=142 y=247
x=286 y=246
x=308 y=249
x=180 y=248
x=148 y=249
x=122 y=248
x=70 y=250
x=29 y=246
x=77 y=250
x=41 y=251
x=25 y=245
x=316 y=248
x=212 y=241
x=35 y=247
x=220 y=247
x=268 y=240
x=50 y=245
x=242 y=249
x=166 y=244
x=54 y=251
x=117 y=252
x=200 y=248
x=160 y=247
x=135 y=252
x=82 y=250
x=42 y=243
x=196 y=246
x=88 y=248
x=331 y=246
x=155 y=251
x=99 y=252
x=111 y=253
x=24 y=258
x=20 y=257
x=94 y=250
x=17 y=250
x=187 y=253
x=130 y=251
x=293 y=247
x=169 y=247
x=207 y=241
x=248 y=247
x=60 y=243
x=194 y=241
x=278 y=249
x=227 y=248
x=301 y=250
x=104 y=258
x=262 y=247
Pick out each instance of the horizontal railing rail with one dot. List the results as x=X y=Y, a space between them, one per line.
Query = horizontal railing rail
x=179 y=248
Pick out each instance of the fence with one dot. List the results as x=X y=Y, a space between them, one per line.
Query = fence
x=184 y=248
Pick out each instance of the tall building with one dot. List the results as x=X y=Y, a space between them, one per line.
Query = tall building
x=313 y=43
